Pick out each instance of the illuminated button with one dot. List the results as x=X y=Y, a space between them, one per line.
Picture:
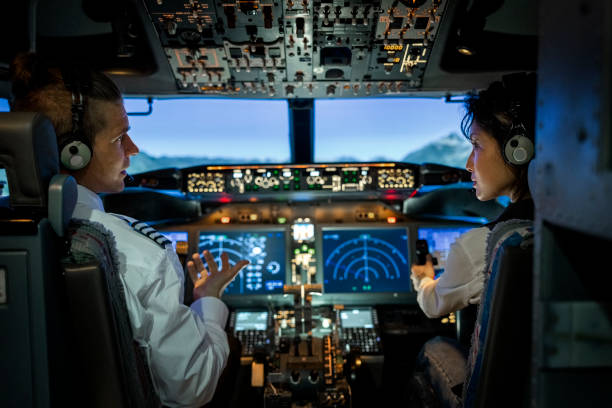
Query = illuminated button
x=276 y=187
x=296 y=179
x=286 y=187
x=296 y=172
x=253 y=217
x=391 y=220
x=225 y=220
x=296 y=186
x=304 y=248
x=281 y=220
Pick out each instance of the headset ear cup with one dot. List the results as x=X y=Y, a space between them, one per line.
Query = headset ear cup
x=518 y=150
x=75 y=154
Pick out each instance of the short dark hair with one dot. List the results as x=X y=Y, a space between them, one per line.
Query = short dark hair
x=38 y=86
x=504 y=104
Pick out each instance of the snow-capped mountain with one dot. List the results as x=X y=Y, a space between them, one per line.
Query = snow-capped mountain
x=452 y=150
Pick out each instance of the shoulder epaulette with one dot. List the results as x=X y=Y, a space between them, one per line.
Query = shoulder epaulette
x=148 y=231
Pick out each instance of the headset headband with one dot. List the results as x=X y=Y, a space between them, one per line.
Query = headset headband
x=75 y=147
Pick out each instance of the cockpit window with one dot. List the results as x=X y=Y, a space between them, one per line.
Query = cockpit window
x=415 y=130
x=190 y=132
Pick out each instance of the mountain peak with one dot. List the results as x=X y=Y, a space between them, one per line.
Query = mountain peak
x=451 y=150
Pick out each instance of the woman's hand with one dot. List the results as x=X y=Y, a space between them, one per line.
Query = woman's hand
x=212 y=282
x=422 y=271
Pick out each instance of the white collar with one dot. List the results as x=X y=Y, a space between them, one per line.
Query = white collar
x=88 y=198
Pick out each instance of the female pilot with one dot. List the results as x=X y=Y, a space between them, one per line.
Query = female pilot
x=500 y=124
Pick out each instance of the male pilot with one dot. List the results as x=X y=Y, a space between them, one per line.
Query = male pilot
x=186 y=347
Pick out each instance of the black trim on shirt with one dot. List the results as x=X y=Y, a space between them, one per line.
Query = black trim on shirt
x=521 y=210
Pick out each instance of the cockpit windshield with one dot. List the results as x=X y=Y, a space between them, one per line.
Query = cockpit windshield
x=189 y=132
x=414 y=130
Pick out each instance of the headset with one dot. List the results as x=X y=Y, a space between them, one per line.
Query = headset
x=75 y=149
x=518 y=148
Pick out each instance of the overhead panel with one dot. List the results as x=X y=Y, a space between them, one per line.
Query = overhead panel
x=301 y=49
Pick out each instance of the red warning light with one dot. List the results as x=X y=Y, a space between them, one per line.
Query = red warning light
x=391 y=220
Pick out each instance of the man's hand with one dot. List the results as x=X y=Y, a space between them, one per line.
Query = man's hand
x=421 y=271
x=212 y=282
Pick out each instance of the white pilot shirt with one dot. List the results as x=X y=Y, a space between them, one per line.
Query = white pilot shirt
x=463 y=278
x=186 y=347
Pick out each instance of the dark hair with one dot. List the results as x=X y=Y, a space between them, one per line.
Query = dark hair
x=38 y=86
x=497 y=109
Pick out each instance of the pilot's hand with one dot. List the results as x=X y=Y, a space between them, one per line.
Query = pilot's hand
x=422 y=271
x=212 y=282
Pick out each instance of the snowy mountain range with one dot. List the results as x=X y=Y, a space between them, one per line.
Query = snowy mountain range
x=451 y=150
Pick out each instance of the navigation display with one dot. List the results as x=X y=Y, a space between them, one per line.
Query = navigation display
x=264 y=249
x=175 y=236
x=361 y=317
x=251 y=321
x=439 y=241
x=365 y=260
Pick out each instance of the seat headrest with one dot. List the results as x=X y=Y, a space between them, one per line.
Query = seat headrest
x=28 y=152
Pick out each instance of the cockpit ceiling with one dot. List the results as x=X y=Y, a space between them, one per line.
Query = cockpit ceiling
x=287 y=48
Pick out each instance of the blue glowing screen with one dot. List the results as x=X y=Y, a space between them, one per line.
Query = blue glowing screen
x=439 y=241
x=365 y=260
x=265 y=250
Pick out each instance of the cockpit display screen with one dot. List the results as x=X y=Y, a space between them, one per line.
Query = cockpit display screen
x=175 y=236
x=358 y=317
x=365 y=260
x=251 y=321
x=439 y=241
x=265 y=251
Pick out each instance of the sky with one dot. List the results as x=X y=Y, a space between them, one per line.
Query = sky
x=369 y=129
x=212 y=127
x=365 y=129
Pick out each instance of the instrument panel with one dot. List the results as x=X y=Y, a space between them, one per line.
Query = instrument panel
x=326 y=178
x=326 y=297
x=357 y=253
